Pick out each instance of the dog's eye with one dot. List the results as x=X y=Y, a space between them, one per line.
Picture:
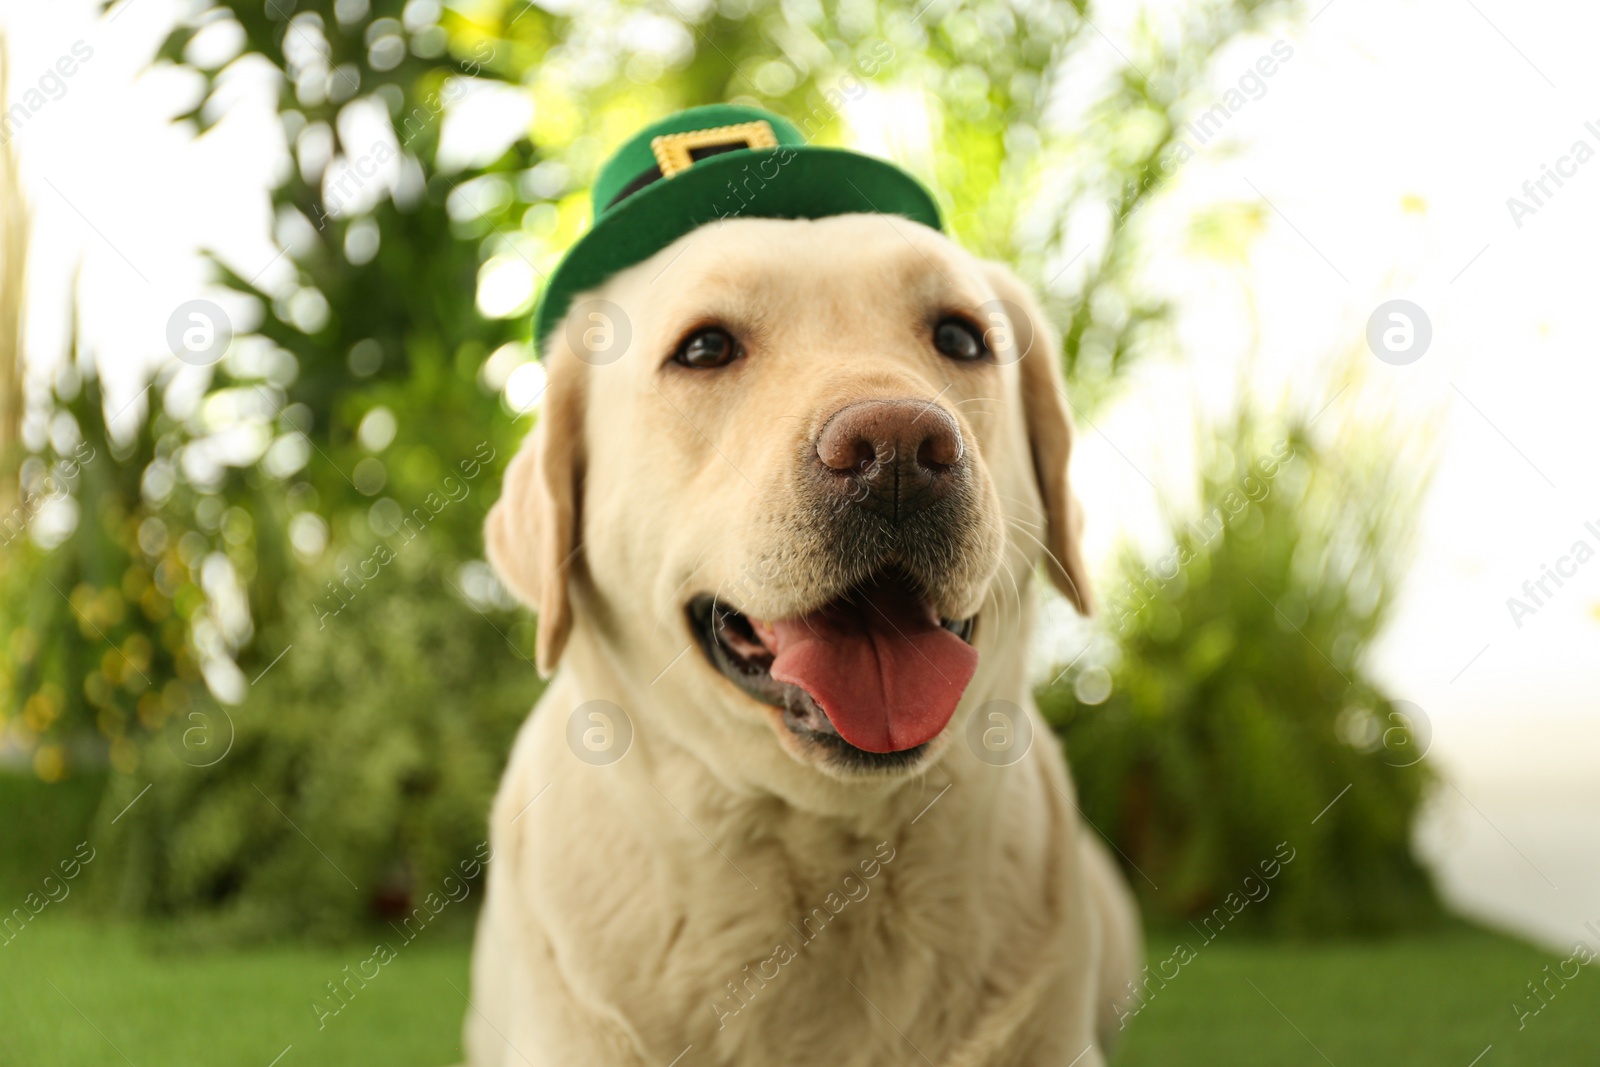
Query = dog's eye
x=959 y=339
x=712 y=347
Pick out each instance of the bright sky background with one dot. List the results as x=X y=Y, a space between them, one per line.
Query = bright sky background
x=1387 y=147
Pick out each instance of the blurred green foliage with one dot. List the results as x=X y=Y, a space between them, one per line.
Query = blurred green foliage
x=1241 y=713
x=286 y=568
x=345 y=789
x=44 y=825
x=97 y=629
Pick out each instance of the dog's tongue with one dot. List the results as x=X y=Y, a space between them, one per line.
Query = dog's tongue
x=885 y=672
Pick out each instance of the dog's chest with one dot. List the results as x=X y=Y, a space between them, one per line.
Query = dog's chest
x=821 y=964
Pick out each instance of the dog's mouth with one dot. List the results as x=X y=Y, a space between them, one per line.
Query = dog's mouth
x=872 y=675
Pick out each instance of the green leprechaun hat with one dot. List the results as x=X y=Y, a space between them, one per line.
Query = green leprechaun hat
x=711 y=163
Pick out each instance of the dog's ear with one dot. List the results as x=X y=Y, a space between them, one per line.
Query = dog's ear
x=531 y=533
x=1033 y=343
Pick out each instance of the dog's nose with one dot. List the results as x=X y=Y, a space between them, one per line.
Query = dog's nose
x=892 y=456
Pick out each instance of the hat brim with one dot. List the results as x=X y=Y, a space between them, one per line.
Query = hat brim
x=807 y=183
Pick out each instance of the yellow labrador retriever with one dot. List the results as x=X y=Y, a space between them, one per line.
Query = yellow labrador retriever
x=788 y=799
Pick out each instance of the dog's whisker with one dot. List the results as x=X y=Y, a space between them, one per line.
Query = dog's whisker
x=1035 y=529
x=1032 y=506
x=694 y=569
x=1053 y=556
x=1024 y=522
x=678 y=593
x=1005 y=564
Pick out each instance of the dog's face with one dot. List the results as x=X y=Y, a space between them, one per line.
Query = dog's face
x=787 y=487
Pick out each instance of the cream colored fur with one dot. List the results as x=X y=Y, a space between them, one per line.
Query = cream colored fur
x=636 y=911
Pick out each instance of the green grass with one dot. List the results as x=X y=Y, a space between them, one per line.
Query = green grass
x=1439 y=999
x=86 y=996
x=70 y=991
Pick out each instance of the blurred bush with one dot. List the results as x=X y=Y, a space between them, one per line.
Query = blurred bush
x=44 y=825
x=351 y=780
x=91 y=622
x=1241 y=714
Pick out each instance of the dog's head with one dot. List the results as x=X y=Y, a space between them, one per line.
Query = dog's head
x=787 y=487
